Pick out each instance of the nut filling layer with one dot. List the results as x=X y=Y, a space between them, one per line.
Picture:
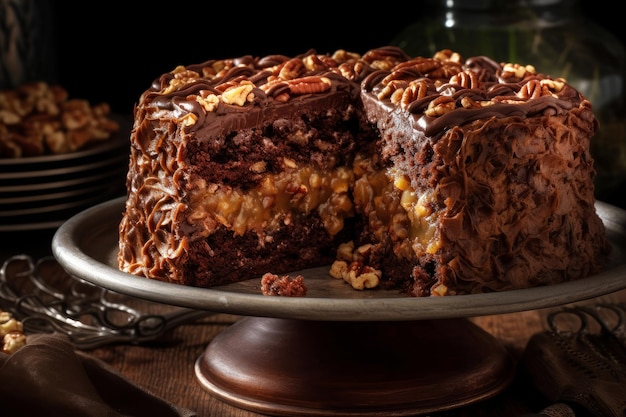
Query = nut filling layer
x=272 y=204
x=296 y=192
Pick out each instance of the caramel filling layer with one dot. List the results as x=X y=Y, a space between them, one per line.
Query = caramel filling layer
x=385 y=198
x=280 y=197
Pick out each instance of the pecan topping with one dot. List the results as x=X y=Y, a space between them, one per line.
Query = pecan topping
x=466 y=79
x=292 y=69
x=530 y=90
x=440 y=106
x=309 y=85
x=417 y=90
x=391 y=87
x=318 y=62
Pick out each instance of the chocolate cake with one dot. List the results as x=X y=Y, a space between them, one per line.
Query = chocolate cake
x=430 y=175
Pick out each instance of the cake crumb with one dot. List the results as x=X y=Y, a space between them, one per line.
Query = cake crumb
x=285 y=286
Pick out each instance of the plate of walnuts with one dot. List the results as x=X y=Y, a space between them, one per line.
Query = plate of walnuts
x=58 y=156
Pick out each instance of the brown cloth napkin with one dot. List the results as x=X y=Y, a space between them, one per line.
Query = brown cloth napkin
x=49 y=377
x=582 y=369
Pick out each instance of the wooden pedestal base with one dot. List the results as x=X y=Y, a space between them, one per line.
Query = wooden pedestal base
x=286 y=367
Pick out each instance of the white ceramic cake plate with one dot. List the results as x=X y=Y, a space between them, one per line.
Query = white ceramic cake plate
x=338 y=351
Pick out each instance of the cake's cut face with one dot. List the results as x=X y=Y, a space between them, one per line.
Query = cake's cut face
x=435 y=176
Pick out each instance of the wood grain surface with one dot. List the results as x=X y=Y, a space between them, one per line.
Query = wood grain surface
x=166 y=368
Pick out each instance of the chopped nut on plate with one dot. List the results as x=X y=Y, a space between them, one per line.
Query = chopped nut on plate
x=351 y=266
x=40 y=119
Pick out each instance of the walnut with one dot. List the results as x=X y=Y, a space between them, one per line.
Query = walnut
x=550 y=86
x=357 y=274
x=209 y=102
x=182 y=77
x=448 y=55
x=39 y=119
x=13 y=341
x=258 y=167
x=516 y=72
x=351 y=266
x=189 y=119
x=239 y=94
x=11 y=333
x=75 y=114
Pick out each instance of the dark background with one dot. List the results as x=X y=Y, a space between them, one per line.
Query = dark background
x=111 y=51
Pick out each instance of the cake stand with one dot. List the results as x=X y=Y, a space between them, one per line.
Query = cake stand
x=338 y=351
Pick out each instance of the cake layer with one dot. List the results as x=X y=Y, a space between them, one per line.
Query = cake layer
x=235 y=194
x=497 y=162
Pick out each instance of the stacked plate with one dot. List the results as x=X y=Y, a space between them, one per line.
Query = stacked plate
x=42 y=192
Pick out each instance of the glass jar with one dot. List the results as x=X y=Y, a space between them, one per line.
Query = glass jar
x=557 y=39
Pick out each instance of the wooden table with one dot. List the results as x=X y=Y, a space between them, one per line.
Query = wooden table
x=166 y=367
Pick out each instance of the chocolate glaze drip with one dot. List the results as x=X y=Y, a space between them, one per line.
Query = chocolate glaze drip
x=543 y=105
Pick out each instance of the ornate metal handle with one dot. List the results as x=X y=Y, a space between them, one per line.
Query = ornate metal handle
x=46 y=299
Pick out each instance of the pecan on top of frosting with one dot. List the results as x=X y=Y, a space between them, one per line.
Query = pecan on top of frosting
x=419 y=84
x=446 y=90
x=248 y=79
x=428 y=87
